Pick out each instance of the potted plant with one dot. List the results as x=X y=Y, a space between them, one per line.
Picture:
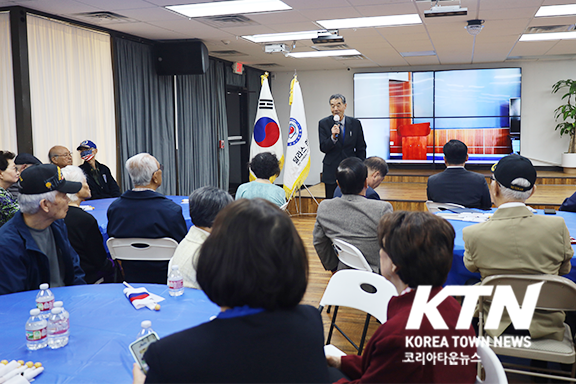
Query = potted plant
x=566 y=113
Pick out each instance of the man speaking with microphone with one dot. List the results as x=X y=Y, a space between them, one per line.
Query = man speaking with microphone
x=340 y=137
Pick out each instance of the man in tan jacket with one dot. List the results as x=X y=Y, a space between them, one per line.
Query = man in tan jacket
x=516 y=241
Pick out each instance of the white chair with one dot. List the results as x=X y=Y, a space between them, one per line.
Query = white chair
x=350 y=255
x=348 y=288
x=495 y=373
x=141 y=249
x=557 y=294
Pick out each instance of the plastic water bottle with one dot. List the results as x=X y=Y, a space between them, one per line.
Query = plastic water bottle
x=60 y=304
x=146 y=329
x=57 y=329
x=36 y=331
x=45 y=300
x=175 y=282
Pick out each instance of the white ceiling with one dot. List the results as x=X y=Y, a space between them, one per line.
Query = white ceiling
x=505 y=21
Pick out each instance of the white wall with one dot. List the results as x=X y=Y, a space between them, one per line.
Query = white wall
x=539 y=141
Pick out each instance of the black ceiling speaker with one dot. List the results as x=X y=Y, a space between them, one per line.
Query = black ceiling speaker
x=181 y=58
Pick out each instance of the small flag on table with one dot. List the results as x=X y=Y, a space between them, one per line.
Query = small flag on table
x=140 y=297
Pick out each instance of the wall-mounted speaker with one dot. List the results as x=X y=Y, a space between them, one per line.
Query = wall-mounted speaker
x=181 y=58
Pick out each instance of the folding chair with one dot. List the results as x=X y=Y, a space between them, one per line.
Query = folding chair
x=346 y=289
x=141 y=249
x=350 y=255
x=495 y=373
x=557 y=294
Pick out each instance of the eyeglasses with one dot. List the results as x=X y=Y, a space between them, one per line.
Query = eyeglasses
x=69 y=154
x=160 y=168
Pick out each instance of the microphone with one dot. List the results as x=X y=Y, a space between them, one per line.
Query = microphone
x=337 y=121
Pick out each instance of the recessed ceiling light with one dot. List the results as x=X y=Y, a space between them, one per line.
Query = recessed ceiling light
x=376 y=21
x=548 y=36
x=337 y=52
x=287 y=36
x=229 y=7
x=556 y=10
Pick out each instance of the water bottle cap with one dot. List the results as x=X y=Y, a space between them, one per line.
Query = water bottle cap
x=44 y=286
x=56 y=311
x=175 y=267
x=146 y=324
x=58 y=304
x=34 y=312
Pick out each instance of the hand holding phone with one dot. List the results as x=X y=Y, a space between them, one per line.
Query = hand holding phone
x=139 y=347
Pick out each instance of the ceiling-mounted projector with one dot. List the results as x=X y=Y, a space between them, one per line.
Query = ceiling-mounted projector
x=273 y=48
x=447 y=10
x=328 y=37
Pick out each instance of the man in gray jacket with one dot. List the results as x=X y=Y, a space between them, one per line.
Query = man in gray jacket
x=351 y=218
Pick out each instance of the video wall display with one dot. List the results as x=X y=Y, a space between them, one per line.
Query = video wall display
x=409 y=116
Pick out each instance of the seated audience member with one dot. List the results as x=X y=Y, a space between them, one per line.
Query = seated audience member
x=60 y=156
x=100 y=180
x=457 y=185
x=263 y=166
x=516 y=241
x=205 y=203
x=416 y=251
x=143 y=212
x=34 y=244
x=569 y=204
x=84 y=234
x=351 y=218
x=377 y=170
x=8 y=176
x=254 y=266
x=22 y=161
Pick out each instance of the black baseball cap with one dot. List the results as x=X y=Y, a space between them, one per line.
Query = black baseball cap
x=44 y=178
x=26 y=158
x=513 y=167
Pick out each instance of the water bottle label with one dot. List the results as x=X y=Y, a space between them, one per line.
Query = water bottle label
x=175 y=284
x=36 y=335
x=45 y=306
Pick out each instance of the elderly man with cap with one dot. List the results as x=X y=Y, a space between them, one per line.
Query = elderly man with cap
x=102 y=184
x=34 y=244
x=22 y=161
x=516 y=241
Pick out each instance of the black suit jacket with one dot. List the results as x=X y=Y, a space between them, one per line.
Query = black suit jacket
x=353 y=145
x=459 y=186
x=106 y=186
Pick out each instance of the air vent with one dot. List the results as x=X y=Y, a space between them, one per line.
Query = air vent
x=226 y=21
x=105 y=17
x=329 y=47
x=550 y=28
x=229 y=52
x=567 y=56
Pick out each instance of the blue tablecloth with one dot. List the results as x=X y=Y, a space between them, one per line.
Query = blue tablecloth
x=102 y=325
x=101 y=207
x=459 y=275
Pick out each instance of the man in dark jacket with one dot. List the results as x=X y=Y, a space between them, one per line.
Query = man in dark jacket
x=143 y=212
x=34 y=243
x=100 y=180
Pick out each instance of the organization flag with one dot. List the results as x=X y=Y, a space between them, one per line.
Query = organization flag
x=297 y=148
x=267 y=136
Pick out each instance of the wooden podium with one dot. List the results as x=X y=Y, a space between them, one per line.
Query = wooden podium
x=414 y=140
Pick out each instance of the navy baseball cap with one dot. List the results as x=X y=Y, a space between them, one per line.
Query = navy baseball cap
x=86 y=144
x=26 y=158
x=44 y=178
x=513 y=167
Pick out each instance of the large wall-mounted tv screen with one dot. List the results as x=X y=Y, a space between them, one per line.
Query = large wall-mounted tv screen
x=409 y=116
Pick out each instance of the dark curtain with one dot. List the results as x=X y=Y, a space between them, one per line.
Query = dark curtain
x=145 y=111
x=201 y=124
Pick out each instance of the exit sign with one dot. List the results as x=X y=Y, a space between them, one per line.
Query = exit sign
x=238 y=68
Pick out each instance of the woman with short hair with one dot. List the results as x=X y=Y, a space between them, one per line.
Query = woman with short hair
x=254 y=266
x=416 y=250
x=263 y=166
x=8 y=175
